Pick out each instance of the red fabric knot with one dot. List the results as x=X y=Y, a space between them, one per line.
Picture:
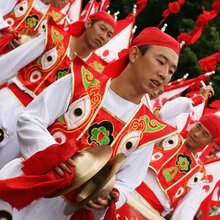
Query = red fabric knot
x=216 y=5
x=202 y=20
x=174 y=7
x=181 y=1
x=141 y=4
x=184 y=37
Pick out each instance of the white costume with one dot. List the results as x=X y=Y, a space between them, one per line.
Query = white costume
x=176 y=112
x=188 y=207
x=10 y=106
x=33 y=137
x=7 y=6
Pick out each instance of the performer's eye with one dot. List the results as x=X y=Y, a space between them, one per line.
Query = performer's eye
x=78 y=112
x=20 y=9
x=129 y=142
x=171 y=142
x=49 y=59
x=195 y=179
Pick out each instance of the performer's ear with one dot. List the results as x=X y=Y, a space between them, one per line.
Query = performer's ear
x=133 y=54
x=88 y=23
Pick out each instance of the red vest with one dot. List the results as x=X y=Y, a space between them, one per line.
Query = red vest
x=24 y=18
x=176 y=168
x=51 y=65
x=87 y=121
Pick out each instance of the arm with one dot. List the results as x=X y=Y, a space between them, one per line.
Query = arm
x=132 y=172
x=33 y=135
x=14 y=60
x=189 y=204
x=7 y=6
x=172 y=109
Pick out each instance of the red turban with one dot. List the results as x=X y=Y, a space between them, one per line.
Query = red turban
x=154 y=36
x=212 y=123
x=149 y=36
x=77 y=28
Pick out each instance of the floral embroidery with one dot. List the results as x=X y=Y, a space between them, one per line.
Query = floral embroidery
x=170 y=173
x=101 y=133
x=32 y=21
x=184 y=162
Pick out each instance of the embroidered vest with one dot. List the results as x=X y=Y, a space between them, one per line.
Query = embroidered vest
x=24 y=18
x=96 y=62
x=51 y=65
x=90 y=123
x=176 y=168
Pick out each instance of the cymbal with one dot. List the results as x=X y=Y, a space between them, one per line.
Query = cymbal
x=100 y=185
x=87 y=163
x=24 y=38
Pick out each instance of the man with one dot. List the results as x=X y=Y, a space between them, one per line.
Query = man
x=31 y=78
x=28 y=17
x=175 y=169
x=89 y=108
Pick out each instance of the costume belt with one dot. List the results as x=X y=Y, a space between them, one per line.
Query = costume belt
x=23 y=97
x=150 y=197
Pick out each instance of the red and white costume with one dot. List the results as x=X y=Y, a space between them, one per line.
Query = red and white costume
x=84 y=108
x=34 y=66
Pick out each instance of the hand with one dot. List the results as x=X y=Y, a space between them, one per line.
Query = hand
x=207 y=92
x=102 y=203
x=62 y=168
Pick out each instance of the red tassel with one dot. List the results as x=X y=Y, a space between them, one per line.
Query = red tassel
x=4 y=41
x=32 y=187
x=41 y=180
x=111 y=212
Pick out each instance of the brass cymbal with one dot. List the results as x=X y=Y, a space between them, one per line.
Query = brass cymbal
x=87 y=163
x=100 y=185
x=24 y=38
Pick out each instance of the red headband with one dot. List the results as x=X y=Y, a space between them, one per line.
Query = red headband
x=212 y=123
x=149 y=36
x=154 y=36
x=103 y=16
x=77 y=28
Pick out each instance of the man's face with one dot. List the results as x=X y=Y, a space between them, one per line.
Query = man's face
x=154 y=69
x=98 y=33
x=198 y=137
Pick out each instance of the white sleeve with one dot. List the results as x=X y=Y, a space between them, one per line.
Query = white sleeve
x=175 y=107
x=3 y=23
x=175 y=110
x=33 y=135
x=13 y=61
x=132 y=172
x=7 y=6
x=189 y=204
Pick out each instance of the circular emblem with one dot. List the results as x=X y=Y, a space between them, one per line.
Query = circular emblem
x=35 y=76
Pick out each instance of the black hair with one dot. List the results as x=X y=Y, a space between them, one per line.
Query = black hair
x=143 y=49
